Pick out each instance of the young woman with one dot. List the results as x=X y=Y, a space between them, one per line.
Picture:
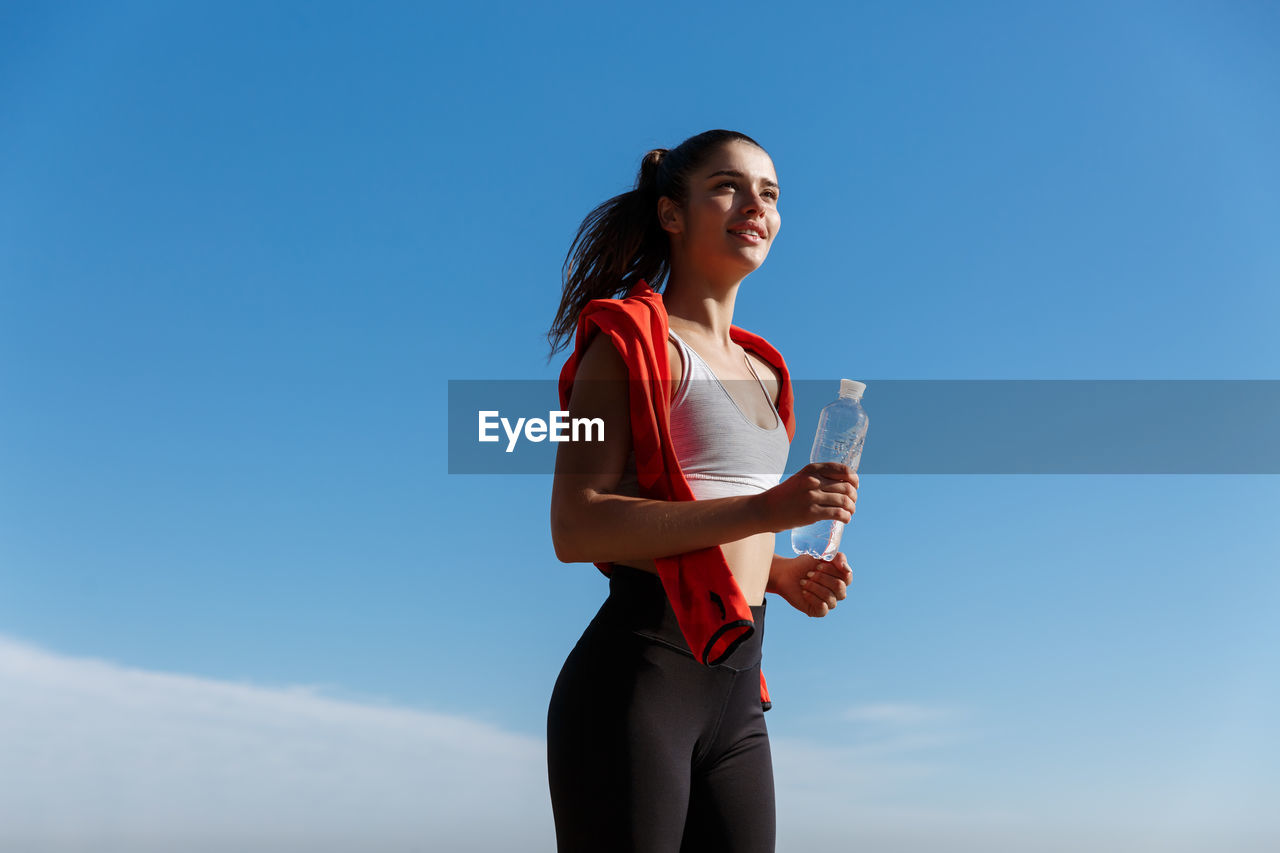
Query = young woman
x=653 y=745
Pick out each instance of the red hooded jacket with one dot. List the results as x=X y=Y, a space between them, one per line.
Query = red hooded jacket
x=708 y=603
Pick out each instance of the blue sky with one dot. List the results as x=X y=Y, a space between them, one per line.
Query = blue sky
x=243 y=248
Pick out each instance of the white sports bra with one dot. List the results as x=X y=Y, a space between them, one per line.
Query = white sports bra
x=721 y=451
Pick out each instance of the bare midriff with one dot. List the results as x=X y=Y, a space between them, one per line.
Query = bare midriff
x=749 y=560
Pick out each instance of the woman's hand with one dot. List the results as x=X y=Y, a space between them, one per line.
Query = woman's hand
x=819 y=491
x=810 y=585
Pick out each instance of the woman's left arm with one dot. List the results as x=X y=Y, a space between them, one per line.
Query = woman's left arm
x=810 y=585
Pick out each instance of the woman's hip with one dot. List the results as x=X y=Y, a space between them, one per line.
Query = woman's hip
x=638 y=605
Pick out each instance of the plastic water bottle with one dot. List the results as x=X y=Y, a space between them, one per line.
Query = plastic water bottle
x=842 y=429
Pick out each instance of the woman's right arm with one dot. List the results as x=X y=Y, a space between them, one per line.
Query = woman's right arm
x=591 y=524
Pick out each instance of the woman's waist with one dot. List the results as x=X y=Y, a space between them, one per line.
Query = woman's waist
x=638 y=603
x=749 y=561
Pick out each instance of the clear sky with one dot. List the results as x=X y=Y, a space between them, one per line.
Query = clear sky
x=244 y=246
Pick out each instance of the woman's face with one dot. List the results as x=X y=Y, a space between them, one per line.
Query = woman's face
x=730 y=216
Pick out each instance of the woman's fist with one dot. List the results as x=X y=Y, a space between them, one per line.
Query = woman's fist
x=810 y=585
x=819 y=491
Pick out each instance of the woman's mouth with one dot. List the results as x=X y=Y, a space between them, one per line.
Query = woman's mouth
x=748 y=236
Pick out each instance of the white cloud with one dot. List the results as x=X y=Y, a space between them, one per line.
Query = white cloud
x=900 y=713
x=96 y=754
x=106 y=758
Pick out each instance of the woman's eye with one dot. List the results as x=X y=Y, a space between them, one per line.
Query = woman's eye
x=770 y=194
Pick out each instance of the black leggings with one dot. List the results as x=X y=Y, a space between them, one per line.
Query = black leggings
x=649 y=750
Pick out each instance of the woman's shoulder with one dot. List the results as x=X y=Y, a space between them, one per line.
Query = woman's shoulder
x=601 y=360
x=758 y=346
x=764 y=357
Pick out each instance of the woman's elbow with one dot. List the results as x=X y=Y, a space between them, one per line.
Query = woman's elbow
x=563 y=538
x=563 y=548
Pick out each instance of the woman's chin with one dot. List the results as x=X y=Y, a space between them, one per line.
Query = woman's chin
x=750 y=261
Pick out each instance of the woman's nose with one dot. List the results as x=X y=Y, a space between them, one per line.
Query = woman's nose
x=753 y=202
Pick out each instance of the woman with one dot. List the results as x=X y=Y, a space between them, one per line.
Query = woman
x=651 y=746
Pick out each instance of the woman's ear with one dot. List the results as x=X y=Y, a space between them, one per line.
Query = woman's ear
x=670 y=216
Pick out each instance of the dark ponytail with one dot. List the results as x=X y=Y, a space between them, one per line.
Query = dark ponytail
x=621 y=242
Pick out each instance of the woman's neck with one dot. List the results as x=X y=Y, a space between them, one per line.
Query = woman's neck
x=702 y=306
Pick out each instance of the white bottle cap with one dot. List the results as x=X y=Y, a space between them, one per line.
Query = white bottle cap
x=850 y=388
